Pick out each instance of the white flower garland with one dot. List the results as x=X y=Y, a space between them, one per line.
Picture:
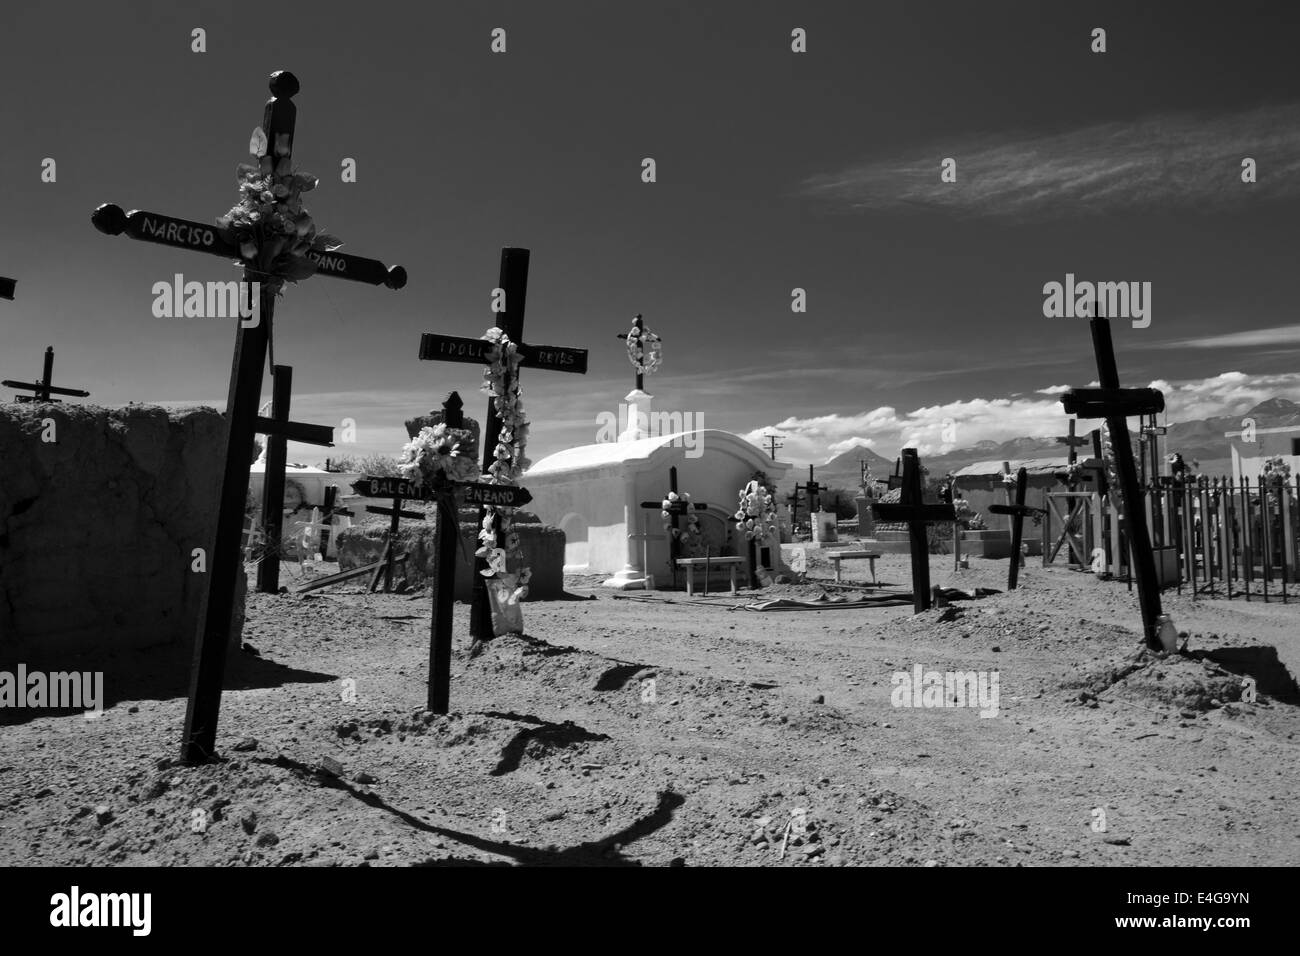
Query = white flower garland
x=691 y=533
x=508 y=464
x=644 y=350
x=757 y=511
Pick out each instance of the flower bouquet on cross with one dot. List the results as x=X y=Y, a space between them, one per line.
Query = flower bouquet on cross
x=439 y=449
x=273 y=230
x=644 y=350
x=689 y=539
x=500 y=546
x=756 y=517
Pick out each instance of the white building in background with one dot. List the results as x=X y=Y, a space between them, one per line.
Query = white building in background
x=304 y=489
x=1251 y=449
x=593 y=493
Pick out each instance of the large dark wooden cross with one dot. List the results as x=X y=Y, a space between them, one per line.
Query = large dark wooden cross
x=917 y=515
x=446 y=533
x=278 y=121
x=44 y=388
x=513 y=283
x=279 y=430
x=1116 y=405
x=676 y=510
x=814 y=492
x=1018 y=511
x=398 y=489
x=641 y=329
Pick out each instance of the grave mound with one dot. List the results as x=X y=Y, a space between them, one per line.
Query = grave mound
x=543 y=548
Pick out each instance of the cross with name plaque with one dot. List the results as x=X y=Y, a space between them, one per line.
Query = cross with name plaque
x=274 y=151
x=513 y=286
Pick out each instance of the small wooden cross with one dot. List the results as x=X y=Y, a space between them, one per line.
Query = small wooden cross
x=278 y=430
x=813 y=490
x=513 y=283
x=1074 y=443
x=44 y=388
x=793 y=500
x=329 y=510
x=641 y=330
x=1117 y=405
x=278 y=121
x=676 y=509
x=1018 y=511
x=917 y=515
x=399 y=490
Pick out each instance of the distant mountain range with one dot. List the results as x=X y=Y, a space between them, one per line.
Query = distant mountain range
x=1201 y=440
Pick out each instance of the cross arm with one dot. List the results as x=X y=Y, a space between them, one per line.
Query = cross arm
x=297 y=431
x=164 y=230
x=376 y=510
x=923 y=513
x=1113 y=402
x=52 y=389
x=1021 y=510
x=200 y=237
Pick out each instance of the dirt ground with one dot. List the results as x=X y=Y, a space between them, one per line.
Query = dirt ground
x=625 y=731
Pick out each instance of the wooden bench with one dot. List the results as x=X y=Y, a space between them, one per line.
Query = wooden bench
x=690 y=564
x=839 y=556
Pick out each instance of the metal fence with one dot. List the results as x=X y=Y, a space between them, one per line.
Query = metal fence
x=1217 y=537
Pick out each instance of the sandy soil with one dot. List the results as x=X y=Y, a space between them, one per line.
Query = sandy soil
x=627 y=732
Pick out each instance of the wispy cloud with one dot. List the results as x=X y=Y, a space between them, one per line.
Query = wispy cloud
x=936 y=429
x=1165 y=161
x=1253 y=338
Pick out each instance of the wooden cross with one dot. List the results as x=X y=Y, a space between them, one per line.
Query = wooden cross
x=44 y=388
x=773 y=445
x=917 y=515
x=1116 y=405
x=676 y=509
x=813 y=490
x=278 y=430
x=7 y=287
x=446 y=534
x=1074 y=443
x=329 y=510
x=399 y=490
x=278 y=121
x=896 y=479
x=513 y=283
x=640 y=327
x=1018 y=511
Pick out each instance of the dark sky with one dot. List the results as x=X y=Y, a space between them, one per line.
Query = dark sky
x=775 y=170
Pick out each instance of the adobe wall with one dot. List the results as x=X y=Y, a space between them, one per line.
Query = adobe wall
x=97 y=526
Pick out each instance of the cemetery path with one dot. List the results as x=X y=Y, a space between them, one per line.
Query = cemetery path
x=626 y=733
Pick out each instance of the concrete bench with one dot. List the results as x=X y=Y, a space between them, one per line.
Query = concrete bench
x=690 y=564
x=839 y=556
